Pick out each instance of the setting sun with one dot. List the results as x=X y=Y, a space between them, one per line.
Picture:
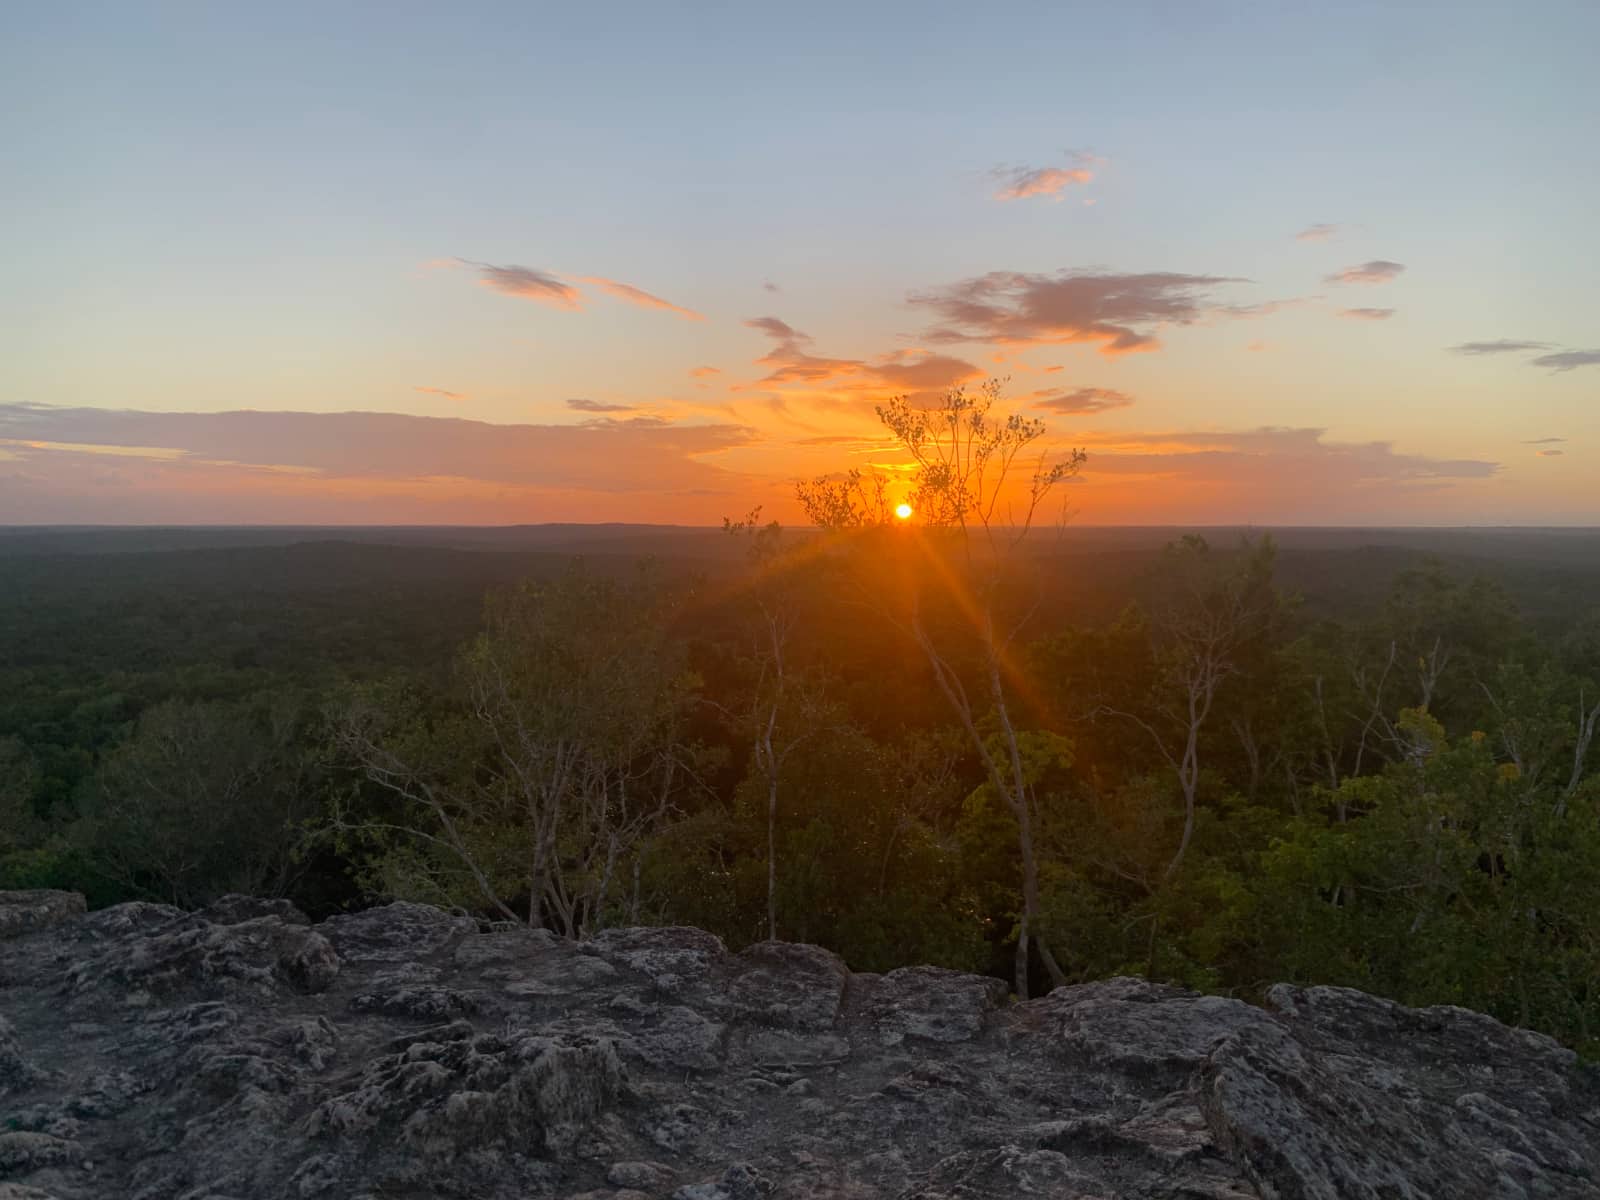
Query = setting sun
x=903 y=511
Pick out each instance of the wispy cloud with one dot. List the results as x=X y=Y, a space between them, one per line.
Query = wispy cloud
x=529 y=284
x=633 y=295
x=433 y=391
x=1543 y=441
x=1317 y=233
x=1567 y=360
x=582 y=404
x=1551 y=453
x=705 y=372
x=636 y=455
x=1501 y=346
x=1020 y=183
x=1118 y=312
x=1081 y=400
x=1366 y=314
x=1379 y=270
x=550 y=287
x=1287 y=449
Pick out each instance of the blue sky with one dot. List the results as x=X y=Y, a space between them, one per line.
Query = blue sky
x=289 y=208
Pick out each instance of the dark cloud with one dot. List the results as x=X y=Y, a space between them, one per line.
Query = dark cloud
x=791 y=361
x=1120 y=312
x=580 y=404
x=1502 y=346
x=1568 y=360
x=529 y=284
x=1081 y=400
x=1316 y=233
x=1366 y=314
x=1379 y=270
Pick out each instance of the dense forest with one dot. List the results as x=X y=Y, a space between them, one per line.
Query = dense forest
x=1208 y=758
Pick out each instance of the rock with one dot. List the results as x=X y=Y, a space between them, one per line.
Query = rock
x=237 y=1054
x=789 y=986
x=234 y=909
x=933 y=1004
x=26 y=912
x=640 y=1176
x=398 y=932
x=22 y=1152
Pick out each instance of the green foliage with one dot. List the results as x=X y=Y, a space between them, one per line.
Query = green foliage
x=1394 y=786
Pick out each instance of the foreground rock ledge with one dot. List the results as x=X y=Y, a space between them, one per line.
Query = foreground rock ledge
x=406 y=1053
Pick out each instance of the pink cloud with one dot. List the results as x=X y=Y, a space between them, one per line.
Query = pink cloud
x=1082 y=400
x=529 y=284
x=1379 y=270
x=1316 y=233
x=1366 y=314
x=433 y=391
x=1024 y=182
x=633 y=295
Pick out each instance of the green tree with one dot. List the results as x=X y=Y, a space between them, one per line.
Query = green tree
x=204 y=798
x=978 y=497
x=557 y=757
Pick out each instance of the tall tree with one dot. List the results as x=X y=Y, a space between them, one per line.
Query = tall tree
x=977 y=497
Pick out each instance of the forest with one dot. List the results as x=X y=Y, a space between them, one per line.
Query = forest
x=1219 y=758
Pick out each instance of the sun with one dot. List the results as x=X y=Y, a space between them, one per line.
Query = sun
x=903 y=511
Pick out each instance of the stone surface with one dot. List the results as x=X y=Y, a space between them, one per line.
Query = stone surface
x=241 y=1054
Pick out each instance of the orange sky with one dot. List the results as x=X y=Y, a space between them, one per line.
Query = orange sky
x=261 y=268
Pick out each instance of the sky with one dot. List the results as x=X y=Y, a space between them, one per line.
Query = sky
x=1268 y=263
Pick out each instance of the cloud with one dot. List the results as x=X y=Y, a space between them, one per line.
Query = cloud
x=1379 y=270
x=580 y=404
x=1271 y=475
x=1081 y=400
x=641 y=455
x=1256 y=347
x=1502 y=346
x=1276 y=452
x=768 y=285
x=1019 y=183
x=529 y=284
x=1543 y=441
x=1316 y=233
x=1119 y=312
x=842 y=439
x=432 y=391
x=705 y=372
x=1567 y=360
x=1366 y=314
x=548 y=287
x=1551 y=453
x=633 y=295
x=791 y=361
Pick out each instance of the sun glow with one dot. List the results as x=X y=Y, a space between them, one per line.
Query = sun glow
x=903 y=511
